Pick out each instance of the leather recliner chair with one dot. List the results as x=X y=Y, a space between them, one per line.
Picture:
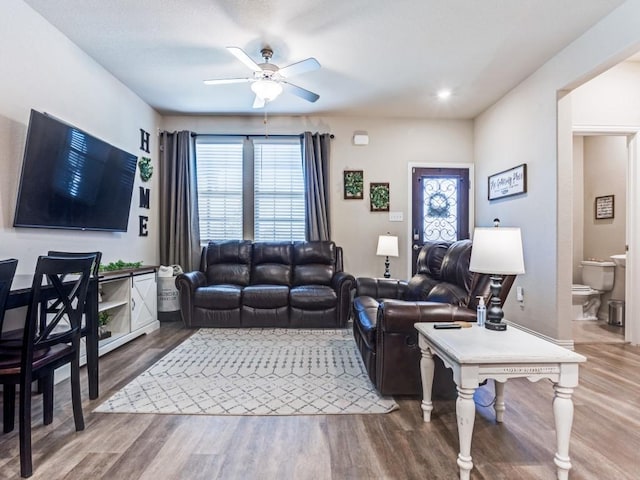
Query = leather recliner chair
x=384 y=313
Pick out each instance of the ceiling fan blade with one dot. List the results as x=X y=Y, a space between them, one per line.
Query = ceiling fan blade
x=224 y=81
x=244 y=58
x=303 y=66
x=258 y=102
x=301 y=92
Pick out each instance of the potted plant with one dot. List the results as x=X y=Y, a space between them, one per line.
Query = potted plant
x=103 y=320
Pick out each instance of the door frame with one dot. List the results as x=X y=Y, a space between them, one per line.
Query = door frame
x=632 y=270
x=472 y=198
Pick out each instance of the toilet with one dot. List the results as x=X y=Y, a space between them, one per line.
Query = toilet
x=597 y=278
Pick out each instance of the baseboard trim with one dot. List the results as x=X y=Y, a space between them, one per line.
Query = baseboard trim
x=563 y=343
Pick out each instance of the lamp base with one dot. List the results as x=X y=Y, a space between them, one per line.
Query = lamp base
x=387 y=273
x=498 y=327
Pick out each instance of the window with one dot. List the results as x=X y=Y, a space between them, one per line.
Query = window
x=250 y=188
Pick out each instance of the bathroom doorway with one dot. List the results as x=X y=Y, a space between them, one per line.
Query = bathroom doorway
x=602 y=163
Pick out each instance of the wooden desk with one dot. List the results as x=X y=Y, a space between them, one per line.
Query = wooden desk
x=476 y=354
x=20 y=296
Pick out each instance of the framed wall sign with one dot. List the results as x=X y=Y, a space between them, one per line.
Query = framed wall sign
x=508 y=183
x=604 y=207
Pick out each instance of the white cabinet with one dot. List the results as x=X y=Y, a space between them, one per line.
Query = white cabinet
x=130 y=300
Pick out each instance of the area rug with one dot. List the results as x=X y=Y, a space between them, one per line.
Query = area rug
x=255 y=372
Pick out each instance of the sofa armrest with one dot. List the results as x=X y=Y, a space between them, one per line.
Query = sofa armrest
x=380 y=288
x=187 y=284
x=400 y=316
x=342 y=283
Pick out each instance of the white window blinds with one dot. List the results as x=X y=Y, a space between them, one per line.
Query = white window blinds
x=272 y=170
x=219 y=172
x=278 y=191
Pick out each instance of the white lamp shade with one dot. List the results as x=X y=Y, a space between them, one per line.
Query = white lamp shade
x=387 y=246
x=497 y=250
x=266 y=89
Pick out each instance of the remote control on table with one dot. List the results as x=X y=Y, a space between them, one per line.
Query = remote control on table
x=446 y=325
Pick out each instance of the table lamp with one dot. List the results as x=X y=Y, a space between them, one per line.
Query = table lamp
x=496 y=251
x=387 y=247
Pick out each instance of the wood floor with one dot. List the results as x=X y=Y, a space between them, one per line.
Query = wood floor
x=604 y=444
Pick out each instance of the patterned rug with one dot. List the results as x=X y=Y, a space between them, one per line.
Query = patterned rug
x=255 y=372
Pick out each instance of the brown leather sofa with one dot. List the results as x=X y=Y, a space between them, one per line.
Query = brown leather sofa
x=384 y=313
x=267 y=284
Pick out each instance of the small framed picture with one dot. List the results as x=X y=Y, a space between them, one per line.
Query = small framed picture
x=353 y=184
x=604 y=207
x=379 y=197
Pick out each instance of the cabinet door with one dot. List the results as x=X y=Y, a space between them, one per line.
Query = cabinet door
x=144 y=297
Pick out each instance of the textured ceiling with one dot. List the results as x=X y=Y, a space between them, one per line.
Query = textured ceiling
x=378 y=57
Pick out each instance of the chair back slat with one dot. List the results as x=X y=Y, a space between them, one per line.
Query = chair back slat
x=52 y=306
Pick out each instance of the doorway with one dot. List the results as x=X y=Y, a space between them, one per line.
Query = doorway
x=439 y=206
x=599 y=232
x=631 y=327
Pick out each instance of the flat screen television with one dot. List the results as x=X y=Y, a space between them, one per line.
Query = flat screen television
x=72 y=180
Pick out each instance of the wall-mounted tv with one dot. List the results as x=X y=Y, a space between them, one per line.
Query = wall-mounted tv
x=72 y=180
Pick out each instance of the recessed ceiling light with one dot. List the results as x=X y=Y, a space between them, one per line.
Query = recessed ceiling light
x=444 y=94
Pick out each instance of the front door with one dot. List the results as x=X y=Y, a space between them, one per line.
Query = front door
x=440 y=212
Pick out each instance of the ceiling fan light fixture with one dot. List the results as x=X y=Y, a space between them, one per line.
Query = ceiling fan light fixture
x=266 y=89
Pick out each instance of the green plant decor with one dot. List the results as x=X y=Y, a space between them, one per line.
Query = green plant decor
x=379 y=194
x=353 y=184
x=119 y=265
x=146 y=169
x=103 y=318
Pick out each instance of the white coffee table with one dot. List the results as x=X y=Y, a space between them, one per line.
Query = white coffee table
x=476 y=354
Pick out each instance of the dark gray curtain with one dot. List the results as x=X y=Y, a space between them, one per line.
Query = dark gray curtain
x=315 y=165
x=179 y=227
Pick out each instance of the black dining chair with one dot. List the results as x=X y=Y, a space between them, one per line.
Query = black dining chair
x=7 y=271
x=50 y=307
x=43 y=350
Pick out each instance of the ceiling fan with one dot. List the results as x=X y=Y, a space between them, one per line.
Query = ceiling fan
x=268 y=79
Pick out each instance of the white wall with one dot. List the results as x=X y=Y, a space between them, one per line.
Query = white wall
x=605 y=173
x=612 y=98
x=43 y=70
x=394 y=143
x=530 y=126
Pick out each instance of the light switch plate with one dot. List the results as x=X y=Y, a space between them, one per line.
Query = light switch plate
x=395 y=216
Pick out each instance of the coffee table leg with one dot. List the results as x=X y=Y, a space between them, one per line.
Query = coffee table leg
x=426 y=373
x=466 y=414
x=563 y=416
x=499 y=405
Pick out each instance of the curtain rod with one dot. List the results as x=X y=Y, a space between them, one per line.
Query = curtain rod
x=193 y=134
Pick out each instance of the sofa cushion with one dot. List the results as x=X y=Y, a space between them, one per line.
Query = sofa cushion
x=448 y=293
x=265 y=296
x=314 y=263
x=419 y=286
x=271 y=263
x=313 y=297
x=229 y=262
x=218 y=297
x=455 y=265
x=365 y=313
x=430 y=258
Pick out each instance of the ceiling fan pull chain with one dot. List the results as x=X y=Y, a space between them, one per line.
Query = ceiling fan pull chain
x=266 y=131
